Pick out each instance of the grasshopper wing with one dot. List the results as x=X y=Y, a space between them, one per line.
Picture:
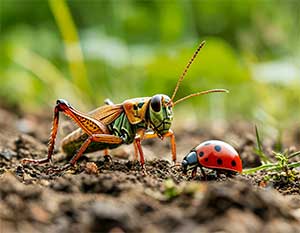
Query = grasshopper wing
x=107 y=113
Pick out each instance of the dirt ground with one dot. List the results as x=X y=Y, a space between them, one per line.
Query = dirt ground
x=116 y=196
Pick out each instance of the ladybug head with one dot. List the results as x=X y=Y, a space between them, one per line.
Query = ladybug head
x=189 y=161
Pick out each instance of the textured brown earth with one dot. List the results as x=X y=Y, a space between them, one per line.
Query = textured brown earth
x=116 y=196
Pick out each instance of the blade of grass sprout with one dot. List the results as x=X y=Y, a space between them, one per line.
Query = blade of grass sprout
x=294 y=154
x=261 y=167
x=44 y=70
x=259 y=150
x=73 y=50
x=269 y=167
x=294 y=165
x=280 y=157
x=274 y=166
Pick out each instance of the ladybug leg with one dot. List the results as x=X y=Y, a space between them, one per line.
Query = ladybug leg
x=230 y=174
x=194 y=172
x=203 y=173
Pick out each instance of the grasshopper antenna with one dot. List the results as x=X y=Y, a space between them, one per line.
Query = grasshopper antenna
x=186 y=69
x=200 y=93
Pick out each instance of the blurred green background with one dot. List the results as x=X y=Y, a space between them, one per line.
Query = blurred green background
x=86 y=51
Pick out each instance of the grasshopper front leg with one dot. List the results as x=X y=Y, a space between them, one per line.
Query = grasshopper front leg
x=141 y=135
x=96 y=130
x=149 y=135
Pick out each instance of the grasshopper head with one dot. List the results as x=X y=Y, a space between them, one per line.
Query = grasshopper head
x=160 y=114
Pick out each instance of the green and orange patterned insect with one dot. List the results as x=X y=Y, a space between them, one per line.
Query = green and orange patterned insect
x=112 y=125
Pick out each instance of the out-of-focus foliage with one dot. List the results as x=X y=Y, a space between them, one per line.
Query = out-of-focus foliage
x=86 y=51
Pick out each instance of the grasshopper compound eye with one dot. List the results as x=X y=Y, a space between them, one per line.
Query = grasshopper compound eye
x=156 y=103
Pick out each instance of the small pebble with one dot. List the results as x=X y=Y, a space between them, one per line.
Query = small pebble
x=7 y=154
x=91 y=168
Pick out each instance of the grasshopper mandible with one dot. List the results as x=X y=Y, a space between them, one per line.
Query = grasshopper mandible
x=111 y=125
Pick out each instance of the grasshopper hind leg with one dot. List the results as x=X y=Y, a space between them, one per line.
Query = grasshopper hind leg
x=51 y=141
x=110 y=139
x=96 y=131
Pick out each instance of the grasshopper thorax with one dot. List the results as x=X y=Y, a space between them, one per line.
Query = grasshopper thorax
x=160 y=114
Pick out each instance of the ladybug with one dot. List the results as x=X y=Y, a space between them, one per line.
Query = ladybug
x=213 y=154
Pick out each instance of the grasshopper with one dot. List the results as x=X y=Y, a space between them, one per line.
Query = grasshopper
x=112 y=125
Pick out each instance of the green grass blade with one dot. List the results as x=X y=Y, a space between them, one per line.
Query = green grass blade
x=73 y=50
x=44 y=70
x=255 y=169
x=294 y=165
x=259 y=151
x=294 y=154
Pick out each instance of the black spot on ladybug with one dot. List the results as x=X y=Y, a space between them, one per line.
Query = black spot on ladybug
x=201 y=153
x=219 y=161
x=140 y=104
x=233 y=163
x=218 y=148
x=207 y=144
x=206 y=159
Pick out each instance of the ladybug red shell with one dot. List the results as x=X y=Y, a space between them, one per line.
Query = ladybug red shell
x=218 y=155
x=213 y=154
